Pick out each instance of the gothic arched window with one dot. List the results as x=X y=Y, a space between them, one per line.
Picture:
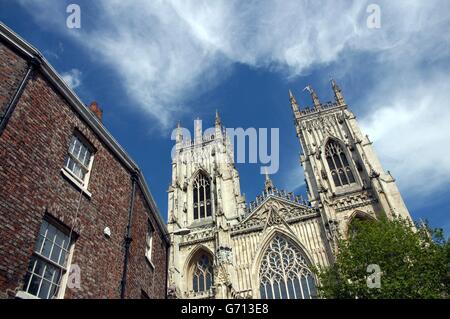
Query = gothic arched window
x=284 y=273
x=202 y=197
x=338 y=164
x=202 y=275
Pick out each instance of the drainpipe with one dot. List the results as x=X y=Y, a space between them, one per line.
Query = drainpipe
x=128 y=239
x=33 y=63
x=167 y=266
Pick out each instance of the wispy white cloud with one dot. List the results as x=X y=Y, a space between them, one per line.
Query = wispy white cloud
x=410 y=130
x=293 y=179
x=72 y=78
x=168 y=52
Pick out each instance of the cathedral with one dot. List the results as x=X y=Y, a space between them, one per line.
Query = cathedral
x=224 y=247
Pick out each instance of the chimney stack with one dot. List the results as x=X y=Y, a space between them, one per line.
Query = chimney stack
x=95 y=108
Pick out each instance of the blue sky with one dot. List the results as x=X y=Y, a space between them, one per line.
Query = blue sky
x=152 y=63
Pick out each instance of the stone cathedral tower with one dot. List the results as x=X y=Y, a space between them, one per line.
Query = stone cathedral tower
x=204 y=201
x=223 y=247
x=343 y=175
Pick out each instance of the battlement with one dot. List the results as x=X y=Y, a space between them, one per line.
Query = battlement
x=188 y=142
x=278 y=193
x=323 y=106
x=317 y=105
x=185 y=139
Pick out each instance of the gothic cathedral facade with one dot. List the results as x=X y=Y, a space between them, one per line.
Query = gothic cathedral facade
x=222 y=247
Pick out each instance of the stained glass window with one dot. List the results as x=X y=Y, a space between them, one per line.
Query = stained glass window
x=284 y=273
x=202 y=197
x=202 y=278
x=338 y=164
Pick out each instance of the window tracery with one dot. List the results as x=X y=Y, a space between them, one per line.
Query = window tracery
x=338 y=164
x=284 y=273
x=202 y=197
x=202 y=276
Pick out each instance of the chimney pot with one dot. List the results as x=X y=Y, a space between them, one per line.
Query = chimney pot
x=95 y=108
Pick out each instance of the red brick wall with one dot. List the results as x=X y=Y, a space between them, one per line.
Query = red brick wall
x=11 y=73
x=140 y=273
x=33 y=147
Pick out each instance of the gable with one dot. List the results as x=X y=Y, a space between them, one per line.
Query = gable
x=274 y=211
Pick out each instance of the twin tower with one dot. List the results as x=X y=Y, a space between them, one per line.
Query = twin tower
x=224 y=247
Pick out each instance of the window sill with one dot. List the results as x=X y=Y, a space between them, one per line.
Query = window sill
x=75 y=182
x=25 y=295
x=149 y=261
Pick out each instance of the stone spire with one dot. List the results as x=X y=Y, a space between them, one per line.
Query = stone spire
x=198 y=133
x=296 y=111
x=337 y=93
x=179 y=133
x=218 y=121
x=294 y=105
x=268 y=185
x=314 y=97
x=178 y=137
x=218 y=125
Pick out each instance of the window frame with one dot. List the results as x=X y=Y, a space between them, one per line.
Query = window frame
x=81 y=183
x=202 y=199
x=64 y=269
x=275 y=284
x=341 y=165
x=149 y=244
x=197 y=271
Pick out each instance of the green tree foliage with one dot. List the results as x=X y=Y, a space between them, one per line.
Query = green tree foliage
x=414 y=262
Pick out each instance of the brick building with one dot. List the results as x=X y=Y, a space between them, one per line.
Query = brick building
x=77 y=219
